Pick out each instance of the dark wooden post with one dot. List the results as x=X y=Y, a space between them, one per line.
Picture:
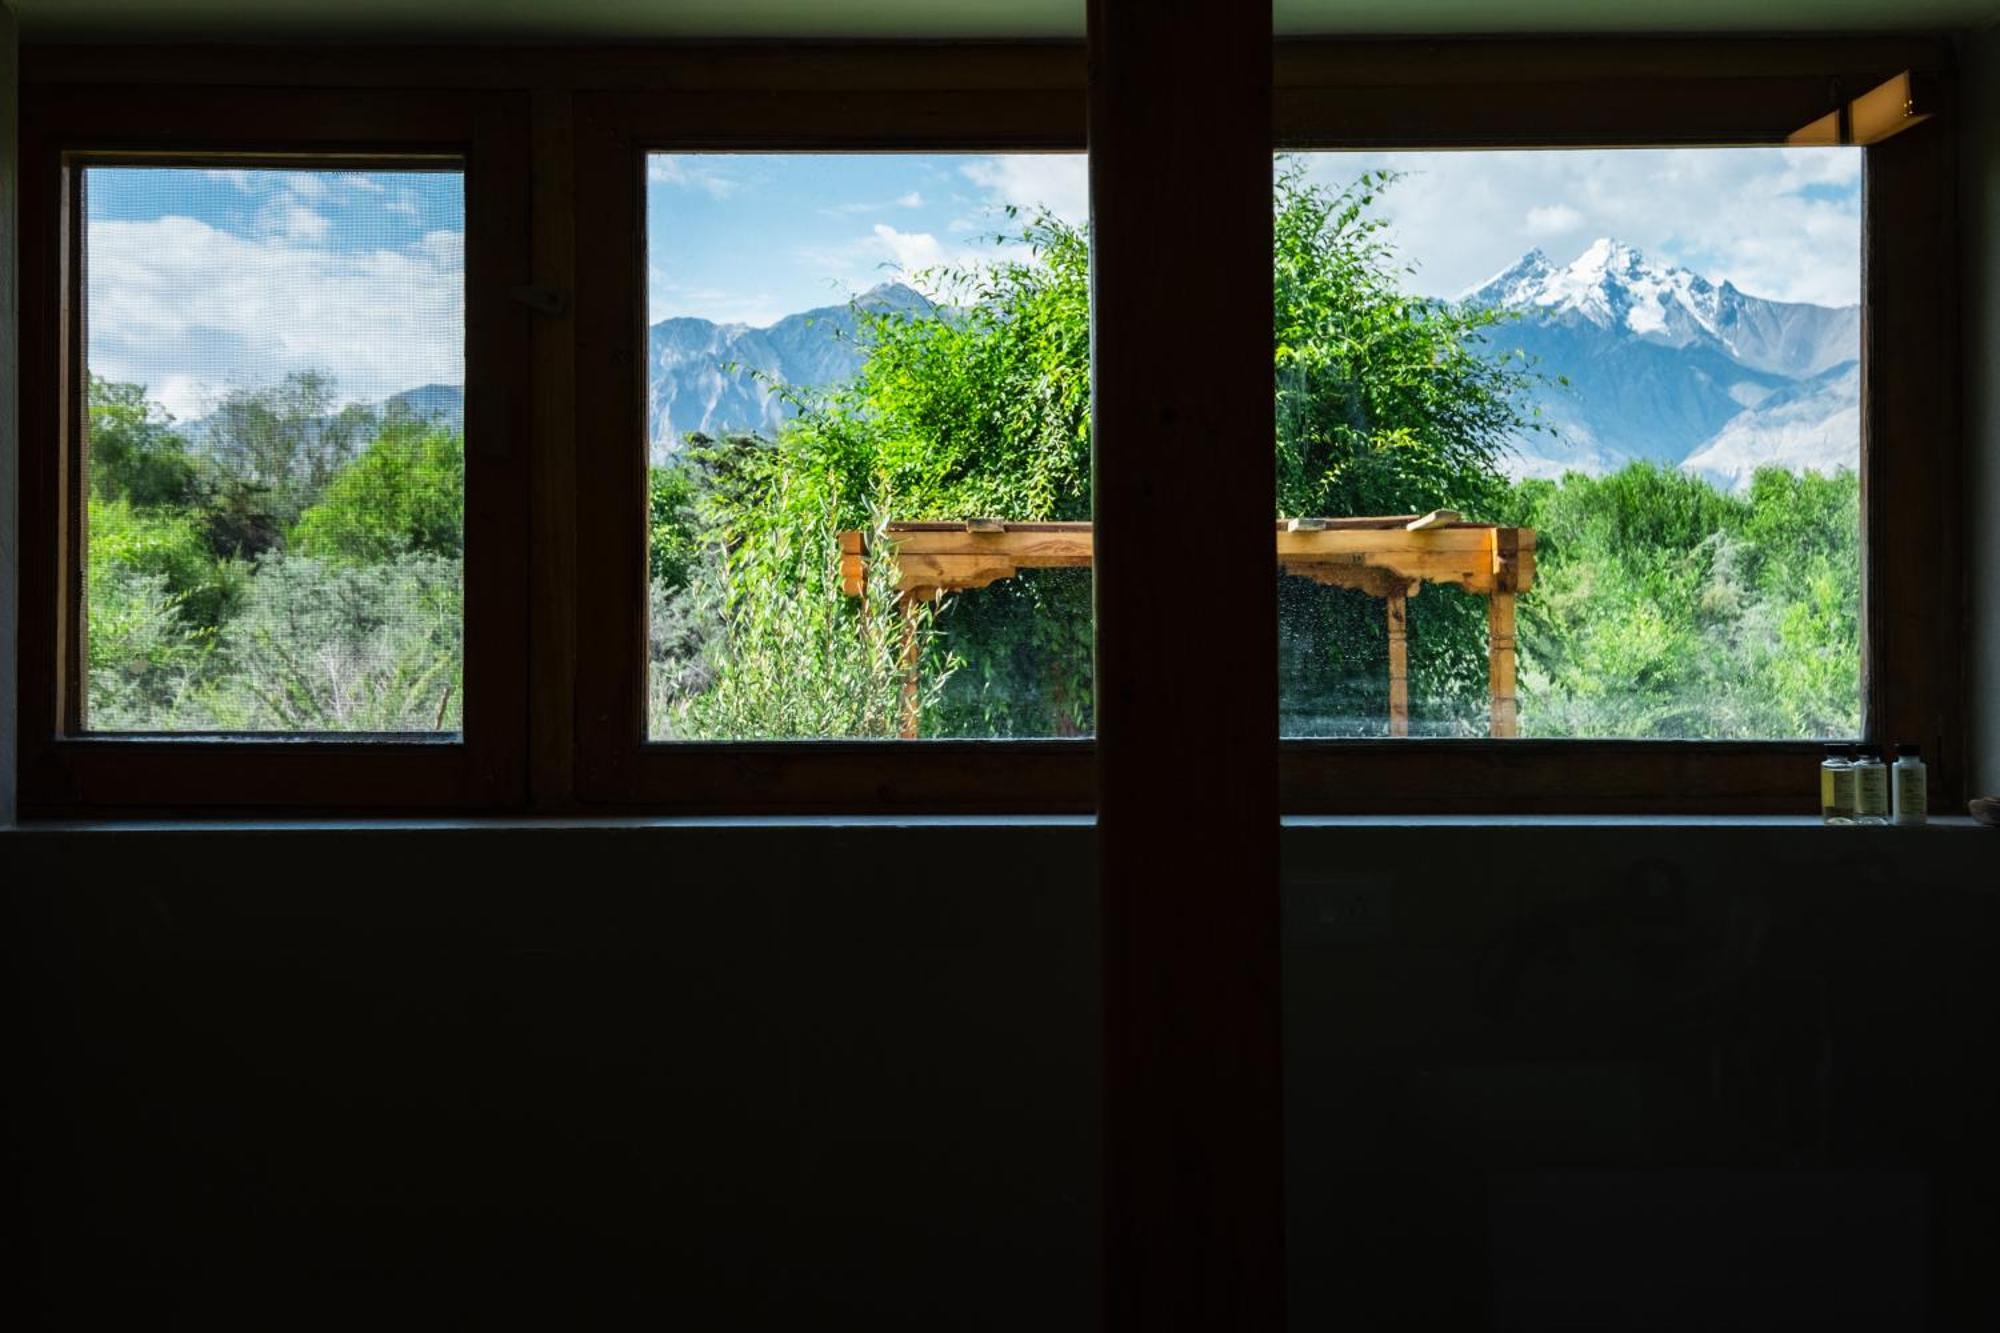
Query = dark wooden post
x=1180 y=143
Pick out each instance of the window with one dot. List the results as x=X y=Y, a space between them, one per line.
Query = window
x=868 y=446
x=278 y=541
x=795 y=555
x=1644 y=740
x=1628 y=381
x=274 y=449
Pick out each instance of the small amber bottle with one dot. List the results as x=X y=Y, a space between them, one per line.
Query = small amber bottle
x=1836 y=787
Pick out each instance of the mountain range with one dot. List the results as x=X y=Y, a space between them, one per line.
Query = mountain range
x=712 y=378
x=1633 y=360
x=1637 y=360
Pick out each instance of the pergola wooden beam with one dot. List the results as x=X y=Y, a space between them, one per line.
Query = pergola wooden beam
x=1389 y=556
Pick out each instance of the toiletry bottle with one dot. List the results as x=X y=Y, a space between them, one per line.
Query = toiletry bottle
x=1871 y=789
x=1836 y=788
x=1911 y=786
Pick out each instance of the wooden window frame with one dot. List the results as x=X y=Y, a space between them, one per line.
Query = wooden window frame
x=1385 y=95
x=68 y=771
x=615 y=763
x=580 y=676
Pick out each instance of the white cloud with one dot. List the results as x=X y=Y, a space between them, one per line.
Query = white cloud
x=1782 y=223
x=910 y=200
x=1059 y=182
x=689 y=173
x=665 y=297
x=296 y=222
x=193 y=311
x=444 y=248
x=909 y=251
x=240 y=179
x=1553 y=219
x=918 y=258
x=354 y=180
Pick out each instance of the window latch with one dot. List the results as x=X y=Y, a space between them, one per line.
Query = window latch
x=543 y=300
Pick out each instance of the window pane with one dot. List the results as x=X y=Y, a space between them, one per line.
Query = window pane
x=274 y=451
x=1633 y=375
x=869 y=446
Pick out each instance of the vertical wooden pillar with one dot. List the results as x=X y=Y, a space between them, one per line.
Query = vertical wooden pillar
x=552 y=576
x=1399 y=663
x=1500 y=662
x=10 y=530
x=1186 y=669
x=1913 y=505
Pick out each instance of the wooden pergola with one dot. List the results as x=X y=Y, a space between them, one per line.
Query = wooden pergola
x=1390 y=557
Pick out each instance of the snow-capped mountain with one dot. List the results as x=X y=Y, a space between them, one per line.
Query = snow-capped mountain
x=1662 y=364
x=1612 y=286
x=715 y=378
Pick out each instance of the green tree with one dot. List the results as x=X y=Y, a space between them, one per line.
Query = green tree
x=673 y=542
x=1387 y=403
x=135 y=454
x=405 y=492
x=979 y=407
x=286 y=441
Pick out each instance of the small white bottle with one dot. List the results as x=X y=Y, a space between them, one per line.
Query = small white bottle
x=1911 y=786
x=1836 y=788
x=1871 y=789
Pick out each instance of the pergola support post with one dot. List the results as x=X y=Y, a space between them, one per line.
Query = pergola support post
x=907 y=603
x=1509 y=575
x=1399 y=663
x=1500 y=662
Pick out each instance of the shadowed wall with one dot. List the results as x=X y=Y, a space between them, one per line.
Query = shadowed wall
x=776 y=1077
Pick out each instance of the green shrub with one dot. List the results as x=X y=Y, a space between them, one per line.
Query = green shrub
x=144 y=661
x=404 y=493
x=170 y=544
x=1664 y=608
x=323 y=646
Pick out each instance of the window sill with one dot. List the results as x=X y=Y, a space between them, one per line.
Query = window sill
x=667 y=823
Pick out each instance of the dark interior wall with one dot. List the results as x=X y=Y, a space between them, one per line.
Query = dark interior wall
x=818 y=1076
x=754 y=1078
x=1624 y=1077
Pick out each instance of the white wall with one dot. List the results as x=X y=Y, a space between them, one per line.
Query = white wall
x=1980 y=226
x=9 y=421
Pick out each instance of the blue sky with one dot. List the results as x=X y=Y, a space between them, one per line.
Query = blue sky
x=750 y=238
x=1782 y=223
x=203 y=281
